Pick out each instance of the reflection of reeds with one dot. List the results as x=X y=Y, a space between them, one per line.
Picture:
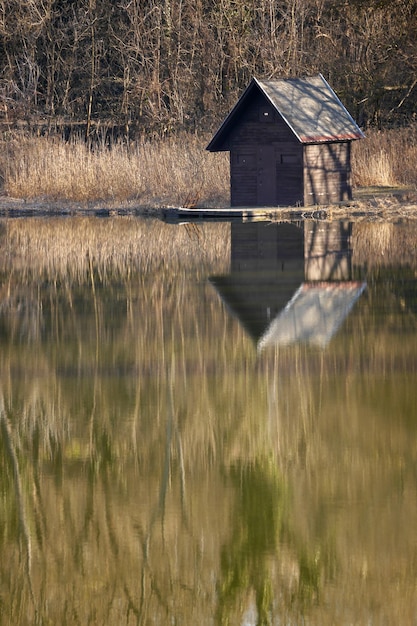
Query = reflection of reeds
x=378 y=244
x=127 y=433
x=9 y=447
x=58 y=249
x=130 y=407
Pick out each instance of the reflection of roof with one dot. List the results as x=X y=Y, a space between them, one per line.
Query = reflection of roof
x=313 y=315
x=256 y=298
x=309 y=106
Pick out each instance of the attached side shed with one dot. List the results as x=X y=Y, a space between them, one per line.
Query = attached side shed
x=290 y=144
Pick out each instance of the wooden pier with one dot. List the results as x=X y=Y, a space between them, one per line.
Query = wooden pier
x=244 y=214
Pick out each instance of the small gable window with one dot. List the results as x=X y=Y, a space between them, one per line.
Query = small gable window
x=266 y=114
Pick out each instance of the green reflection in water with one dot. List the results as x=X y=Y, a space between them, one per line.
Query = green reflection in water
x=256 y=527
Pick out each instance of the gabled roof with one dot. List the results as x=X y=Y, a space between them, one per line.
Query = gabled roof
x=309 y=106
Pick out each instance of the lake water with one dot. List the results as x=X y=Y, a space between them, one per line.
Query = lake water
x=208 y=424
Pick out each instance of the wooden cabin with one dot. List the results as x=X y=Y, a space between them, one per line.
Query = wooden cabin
x=290 y=144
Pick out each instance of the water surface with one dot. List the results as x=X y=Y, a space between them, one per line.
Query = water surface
x=208 y=424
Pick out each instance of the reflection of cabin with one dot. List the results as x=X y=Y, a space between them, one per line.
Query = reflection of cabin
x=290 y=144
x=327 y=251
x=267 y=266
x=290 y=283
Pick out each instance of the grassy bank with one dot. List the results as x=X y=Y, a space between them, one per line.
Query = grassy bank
x=174 y=171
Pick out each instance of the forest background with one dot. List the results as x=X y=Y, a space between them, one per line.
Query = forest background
x=135 y=69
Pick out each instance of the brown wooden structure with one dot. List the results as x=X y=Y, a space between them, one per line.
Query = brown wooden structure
x=290 y=144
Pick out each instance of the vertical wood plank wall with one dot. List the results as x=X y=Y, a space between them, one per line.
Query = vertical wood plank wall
x=327 y=173
x=256 y=144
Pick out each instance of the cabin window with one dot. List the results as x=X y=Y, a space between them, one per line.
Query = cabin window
x=245 y=158
x=290 y=159
x=266 y=114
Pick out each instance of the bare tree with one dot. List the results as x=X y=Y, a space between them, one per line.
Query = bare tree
x=151 y=66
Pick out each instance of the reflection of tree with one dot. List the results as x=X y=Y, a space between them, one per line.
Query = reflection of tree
x=261 y=527
x=23 y=529
x=259 y=518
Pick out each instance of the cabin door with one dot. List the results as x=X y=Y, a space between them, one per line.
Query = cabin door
x=289 y=176
x=266 y=176
x=279 y=176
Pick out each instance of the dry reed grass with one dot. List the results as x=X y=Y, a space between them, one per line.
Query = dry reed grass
x=175 y=171
x=386 y=158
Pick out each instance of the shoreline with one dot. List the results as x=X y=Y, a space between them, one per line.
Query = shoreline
x=375 y=203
